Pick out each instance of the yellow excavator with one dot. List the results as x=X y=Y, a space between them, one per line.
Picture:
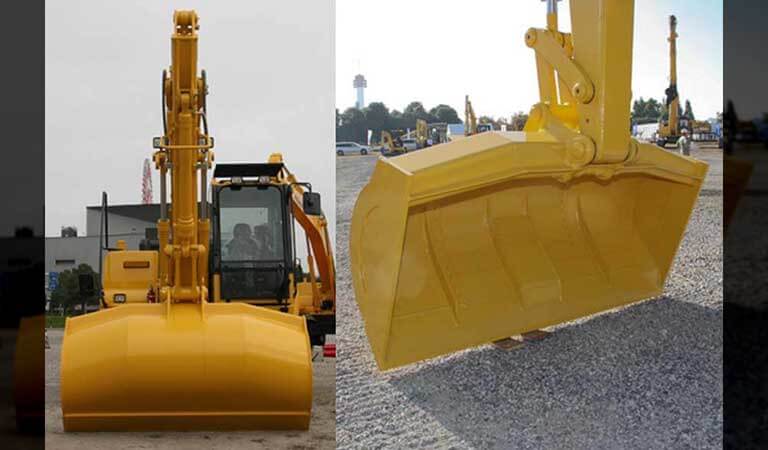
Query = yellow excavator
x=470 y=120
x=391 y=146
x=213 y=328
x=504 y=233
x=422 y=134
x=669 y=129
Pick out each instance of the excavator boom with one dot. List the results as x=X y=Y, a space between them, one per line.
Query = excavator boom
x=669 y=131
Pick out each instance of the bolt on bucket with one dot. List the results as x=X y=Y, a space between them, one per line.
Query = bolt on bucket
x=219 y=367
x=502 y=233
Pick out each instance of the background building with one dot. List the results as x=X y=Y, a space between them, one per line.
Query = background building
x=127 y=222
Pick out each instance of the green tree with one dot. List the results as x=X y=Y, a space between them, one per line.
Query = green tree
x=444 y=113
x=352 y=126
x=415 y=111
x=486 y=119
x=647 y=111
x=689 y=111
x=377 y=118
x=67 y=293
x=398 y=121
x=518 y=121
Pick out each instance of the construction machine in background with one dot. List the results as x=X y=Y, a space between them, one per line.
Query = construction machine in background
x=438 y=132
x=470 y=120
x=503 y=233
x=213 y=328
x=701 y=131
x=670 y=129
x=416 y=139
x=392 y=145
x=422 y=134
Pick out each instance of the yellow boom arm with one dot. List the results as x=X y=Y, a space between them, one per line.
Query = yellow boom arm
x=470 y=121
x=673 y=100
x=183 y=259
x=320 y=249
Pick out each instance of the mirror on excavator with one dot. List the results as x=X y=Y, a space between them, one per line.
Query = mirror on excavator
x=504 y=233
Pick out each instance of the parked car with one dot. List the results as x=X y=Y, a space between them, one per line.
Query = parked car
x=351 y=148
x=410 y=144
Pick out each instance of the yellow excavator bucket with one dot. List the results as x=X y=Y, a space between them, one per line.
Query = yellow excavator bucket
x=224 y=366
x=502 y=233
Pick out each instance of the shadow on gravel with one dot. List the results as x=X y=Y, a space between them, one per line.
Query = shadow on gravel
x=646 y=376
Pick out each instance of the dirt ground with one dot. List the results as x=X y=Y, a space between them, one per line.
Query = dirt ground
x=648 y=375
x=321 y=434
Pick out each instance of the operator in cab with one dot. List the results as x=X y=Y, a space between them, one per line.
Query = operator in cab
x=242 y=247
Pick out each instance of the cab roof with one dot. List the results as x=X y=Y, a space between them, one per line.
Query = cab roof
x=247 y=170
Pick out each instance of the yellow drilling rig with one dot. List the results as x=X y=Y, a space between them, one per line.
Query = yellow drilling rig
x=504 y=233
x=422 y=134
x=470 y=120
x=669 y=129
x=213 y=328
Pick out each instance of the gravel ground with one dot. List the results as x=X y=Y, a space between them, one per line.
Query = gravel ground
x=321 y=434
x=644 y=376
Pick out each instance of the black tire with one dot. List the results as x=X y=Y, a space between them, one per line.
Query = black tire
x=363 y=152
x=339 y=152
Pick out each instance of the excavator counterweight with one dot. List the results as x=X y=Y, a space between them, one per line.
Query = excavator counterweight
x=502 y=233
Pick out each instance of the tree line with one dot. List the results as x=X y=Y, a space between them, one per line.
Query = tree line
x=67 y=294
x=353 y=124
x=651 y=110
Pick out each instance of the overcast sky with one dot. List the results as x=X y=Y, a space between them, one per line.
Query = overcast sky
x=437 y=51
x=270 y=68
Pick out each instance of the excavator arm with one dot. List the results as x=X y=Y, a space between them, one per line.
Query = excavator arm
x=316 y=229
x=470 y=121
x=673 y=99
x=422 y=133
x=315 y=226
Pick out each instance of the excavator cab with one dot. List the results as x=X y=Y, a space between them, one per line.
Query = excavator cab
x=257 y=209
x=252 y=245
x=503 y=233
